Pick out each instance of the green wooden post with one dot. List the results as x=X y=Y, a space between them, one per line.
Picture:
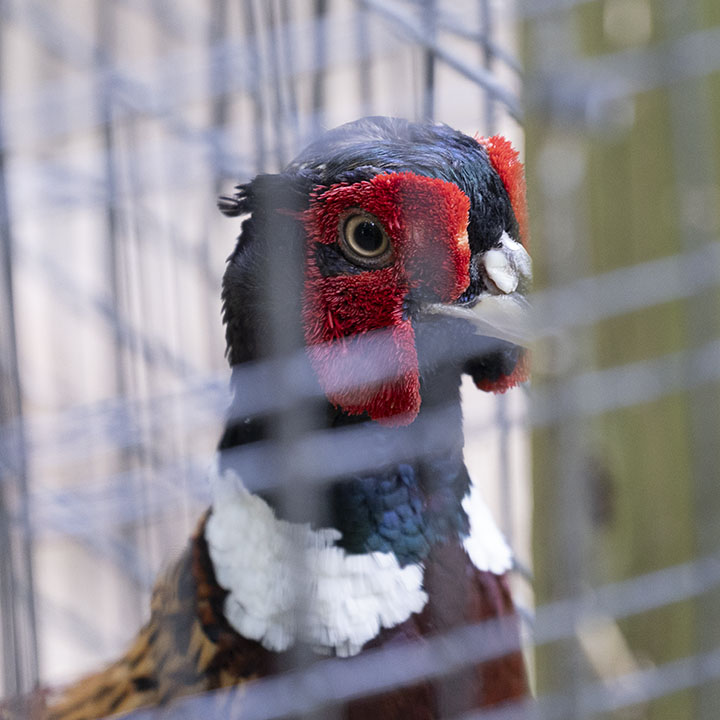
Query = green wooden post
x=641 y=476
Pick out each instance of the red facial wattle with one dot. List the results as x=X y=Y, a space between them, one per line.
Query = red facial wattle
x=360 y=342
x=506 y=162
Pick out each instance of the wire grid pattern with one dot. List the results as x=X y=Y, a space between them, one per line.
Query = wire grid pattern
x=127 y=120
x=109 y=416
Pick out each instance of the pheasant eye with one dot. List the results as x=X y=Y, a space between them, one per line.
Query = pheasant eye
x=363 y=240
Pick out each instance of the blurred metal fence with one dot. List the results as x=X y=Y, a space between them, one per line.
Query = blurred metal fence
x=119 y=123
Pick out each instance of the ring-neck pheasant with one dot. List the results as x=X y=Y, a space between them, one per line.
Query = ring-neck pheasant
x=393 y=253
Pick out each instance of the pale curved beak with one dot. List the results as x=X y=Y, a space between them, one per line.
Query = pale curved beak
x=506 y=317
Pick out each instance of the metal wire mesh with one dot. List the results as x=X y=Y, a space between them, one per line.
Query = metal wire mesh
x=119 y=123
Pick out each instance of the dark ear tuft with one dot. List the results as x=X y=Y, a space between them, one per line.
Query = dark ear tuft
x=277 y=193
x=236 y=205
x=230 y=206
x=285 y=191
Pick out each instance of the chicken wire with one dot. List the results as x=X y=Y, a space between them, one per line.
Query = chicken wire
x=119 y=123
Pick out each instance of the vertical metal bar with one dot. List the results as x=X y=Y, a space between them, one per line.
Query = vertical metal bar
x=285 y=40
x=429 y=23
x=17 y=592
x=218 y=81
x=504 y=426
x=147 y=457
x=276 y=84
x=365 y=62
x=252 y=38
x=105 y=33
x=297 y=500
x=487 y=27
x=320 y=8
x=129 y=457
x=220 y=115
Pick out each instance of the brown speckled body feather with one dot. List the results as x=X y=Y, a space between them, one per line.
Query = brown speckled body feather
x=186 y=648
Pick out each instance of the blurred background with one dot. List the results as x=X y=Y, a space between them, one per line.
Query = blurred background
x=120 y=122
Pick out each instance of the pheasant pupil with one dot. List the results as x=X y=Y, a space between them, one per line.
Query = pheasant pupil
x=368 y=237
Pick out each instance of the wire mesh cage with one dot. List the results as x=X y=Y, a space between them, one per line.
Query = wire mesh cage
x=121 y=122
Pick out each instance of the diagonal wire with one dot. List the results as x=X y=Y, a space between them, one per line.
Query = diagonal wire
x=457 y=25
x=409 y=28
x=590 y=90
